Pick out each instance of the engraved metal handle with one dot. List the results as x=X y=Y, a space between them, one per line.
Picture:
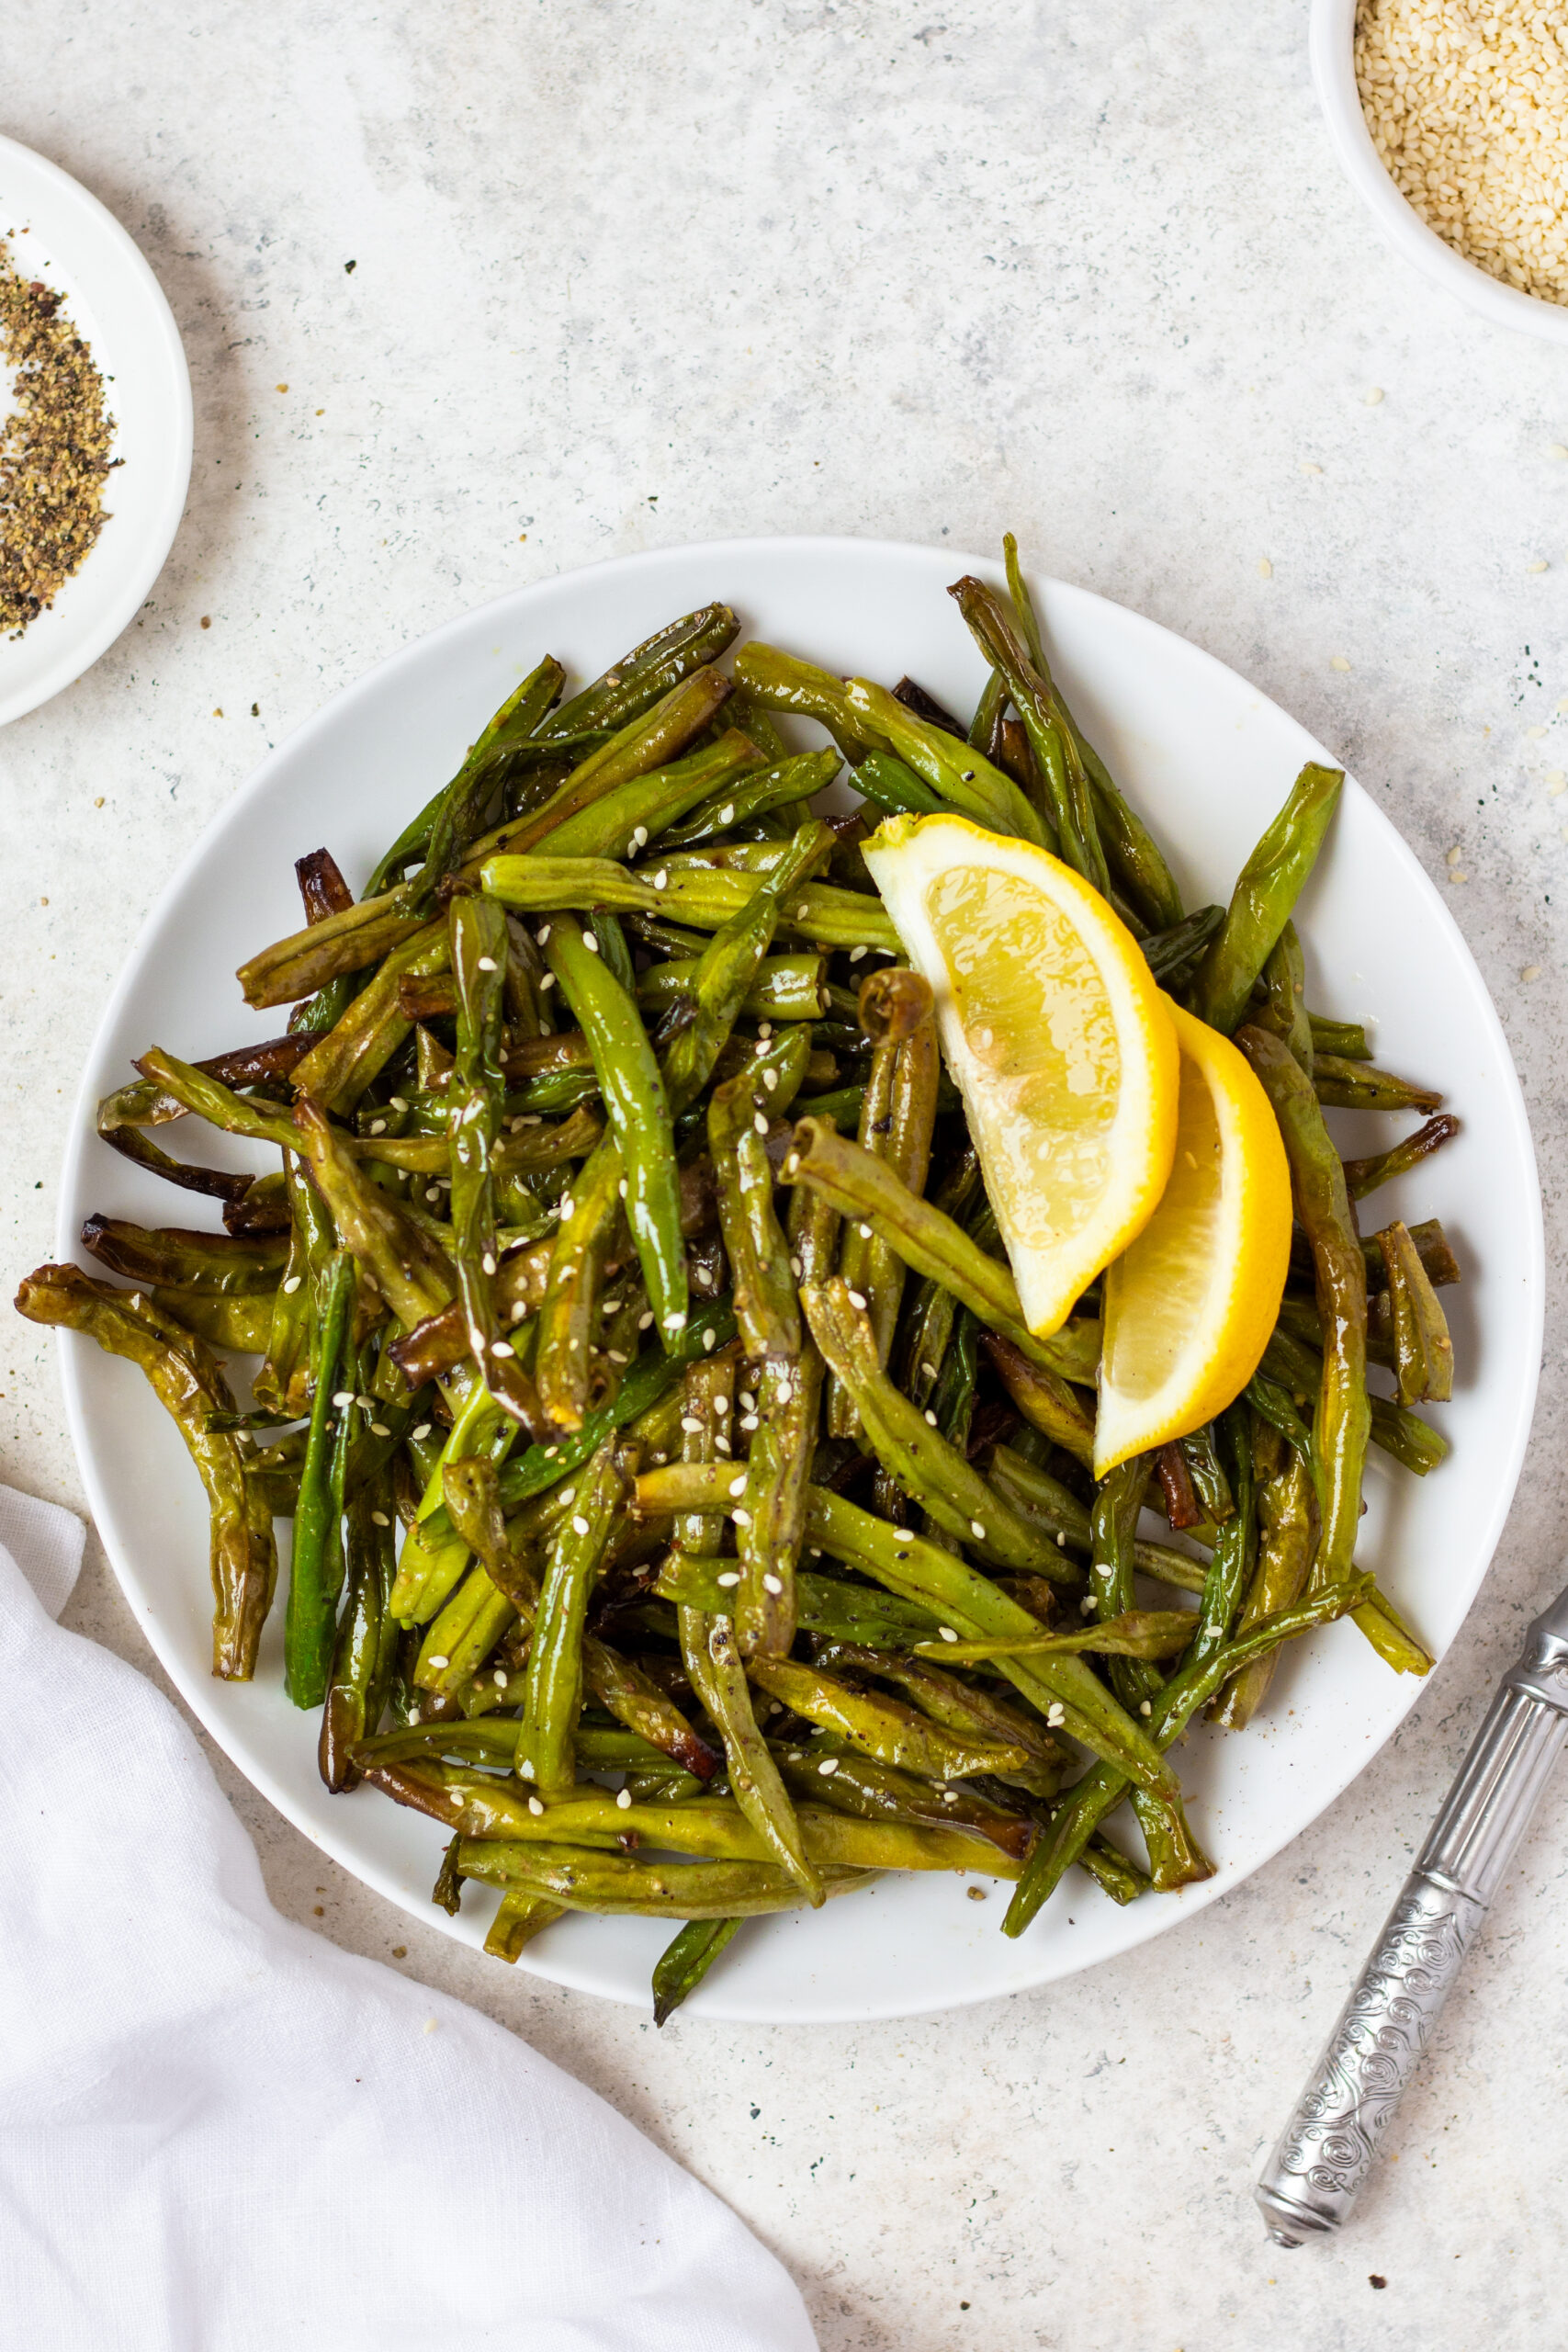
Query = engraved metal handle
x=1326 y=2151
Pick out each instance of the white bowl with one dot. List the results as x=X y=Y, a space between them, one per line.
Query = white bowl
x=117 y=307
x=1332 y=43
x=1208 y=760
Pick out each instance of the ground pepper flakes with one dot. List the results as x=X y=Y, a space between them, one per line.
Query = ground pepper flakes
x=54 y=449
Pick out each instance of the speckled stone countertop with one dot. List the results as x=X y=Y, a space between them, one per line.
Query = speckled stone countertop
x=475 y=295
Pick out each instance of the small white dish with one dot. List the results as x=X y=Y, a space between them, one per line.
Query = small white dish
x=1332 y=45
x=1207 y=759
x=118 y=309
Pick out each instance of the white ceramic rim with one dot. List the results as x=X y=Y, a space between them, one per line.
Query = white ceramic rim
x=71 y=208
x=1153 y=1919
x=1331 y=42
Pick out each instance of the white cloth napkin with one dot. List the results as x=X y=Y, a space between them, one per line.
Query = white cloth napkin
x=218 y=2133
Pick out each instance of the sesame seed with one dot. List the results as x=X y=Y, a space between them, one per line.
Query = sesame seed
x=1531 y=972
x=722 y=1443
x=292 y=1285
x=397 y=1102
x=1145 y=1707
x=645 y=1320
x=433 y=1191
x=727 y=814
x=1060 y=1542
x=614 y=1355
x=1338 y=662
x=795 y=1266
x=621 y=1188
x=502 y=1347
x=865 y=1231
x=721 y=1406
x=709 y=1338
x=377 y=1127
x=535 y=1807
x=946 y=1634
x=591 y=942
x=828 y=1765
x=413 y=1715
x=501 y=1677
x=1373 y=395
x=566 y=1205
x=742 y=1518
x=748 y=1400
x=579 y=1524
x=380 y=1519
x=1536 y=563
x=949 y=1796
x=661 y=879
x=764 y=1031
x=421 y=1433
x=344 y=1396
x=640 y=837
x=748 y=1421
x=691 y=1424
x=624 y=1798
x=438 y=1661
x=856 y=953
x=1085 y=1606
x=730 y=1578
x=488 y=1261
x=931 y=1417
x=772 y=1583
x=977 y=1529
x=548 y=980
x=380 y=1428
x=1265 y=569
x=771 y=1079
x=792 y=1162
x=737 y=1486
x=485 y=963
x=544 y=933
x=857 y=1298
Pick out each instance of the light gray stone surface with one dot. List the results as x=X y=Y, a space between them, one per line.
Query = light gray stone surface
x=629 y=276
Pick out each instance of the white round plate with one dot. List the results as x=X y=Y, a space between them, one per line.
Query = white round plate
x=1208 y=760
x=117 y=307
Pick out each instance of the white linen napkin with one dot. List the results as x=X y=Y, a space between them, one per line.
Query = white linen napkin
x=218 y=2133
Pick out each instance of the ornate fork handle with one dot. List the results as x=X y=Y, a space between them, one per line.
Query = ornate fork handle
x=1327 y=2149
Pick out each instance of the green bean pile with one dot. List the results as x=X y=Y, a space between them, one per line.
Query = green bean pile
x=629 y=1253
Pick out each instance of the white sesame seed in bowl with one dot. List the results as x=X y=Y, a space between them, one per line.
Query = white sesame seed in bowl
x=1451 y=120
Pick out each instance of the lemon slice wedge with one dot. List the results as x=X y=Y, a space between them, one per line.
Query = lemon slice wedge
x=1189 y=1306
x=1057 y=1036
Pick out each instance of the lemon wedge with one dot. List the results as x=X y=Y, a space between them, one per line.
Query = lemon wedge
x=1057 y=1036
x=1189 y=1306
